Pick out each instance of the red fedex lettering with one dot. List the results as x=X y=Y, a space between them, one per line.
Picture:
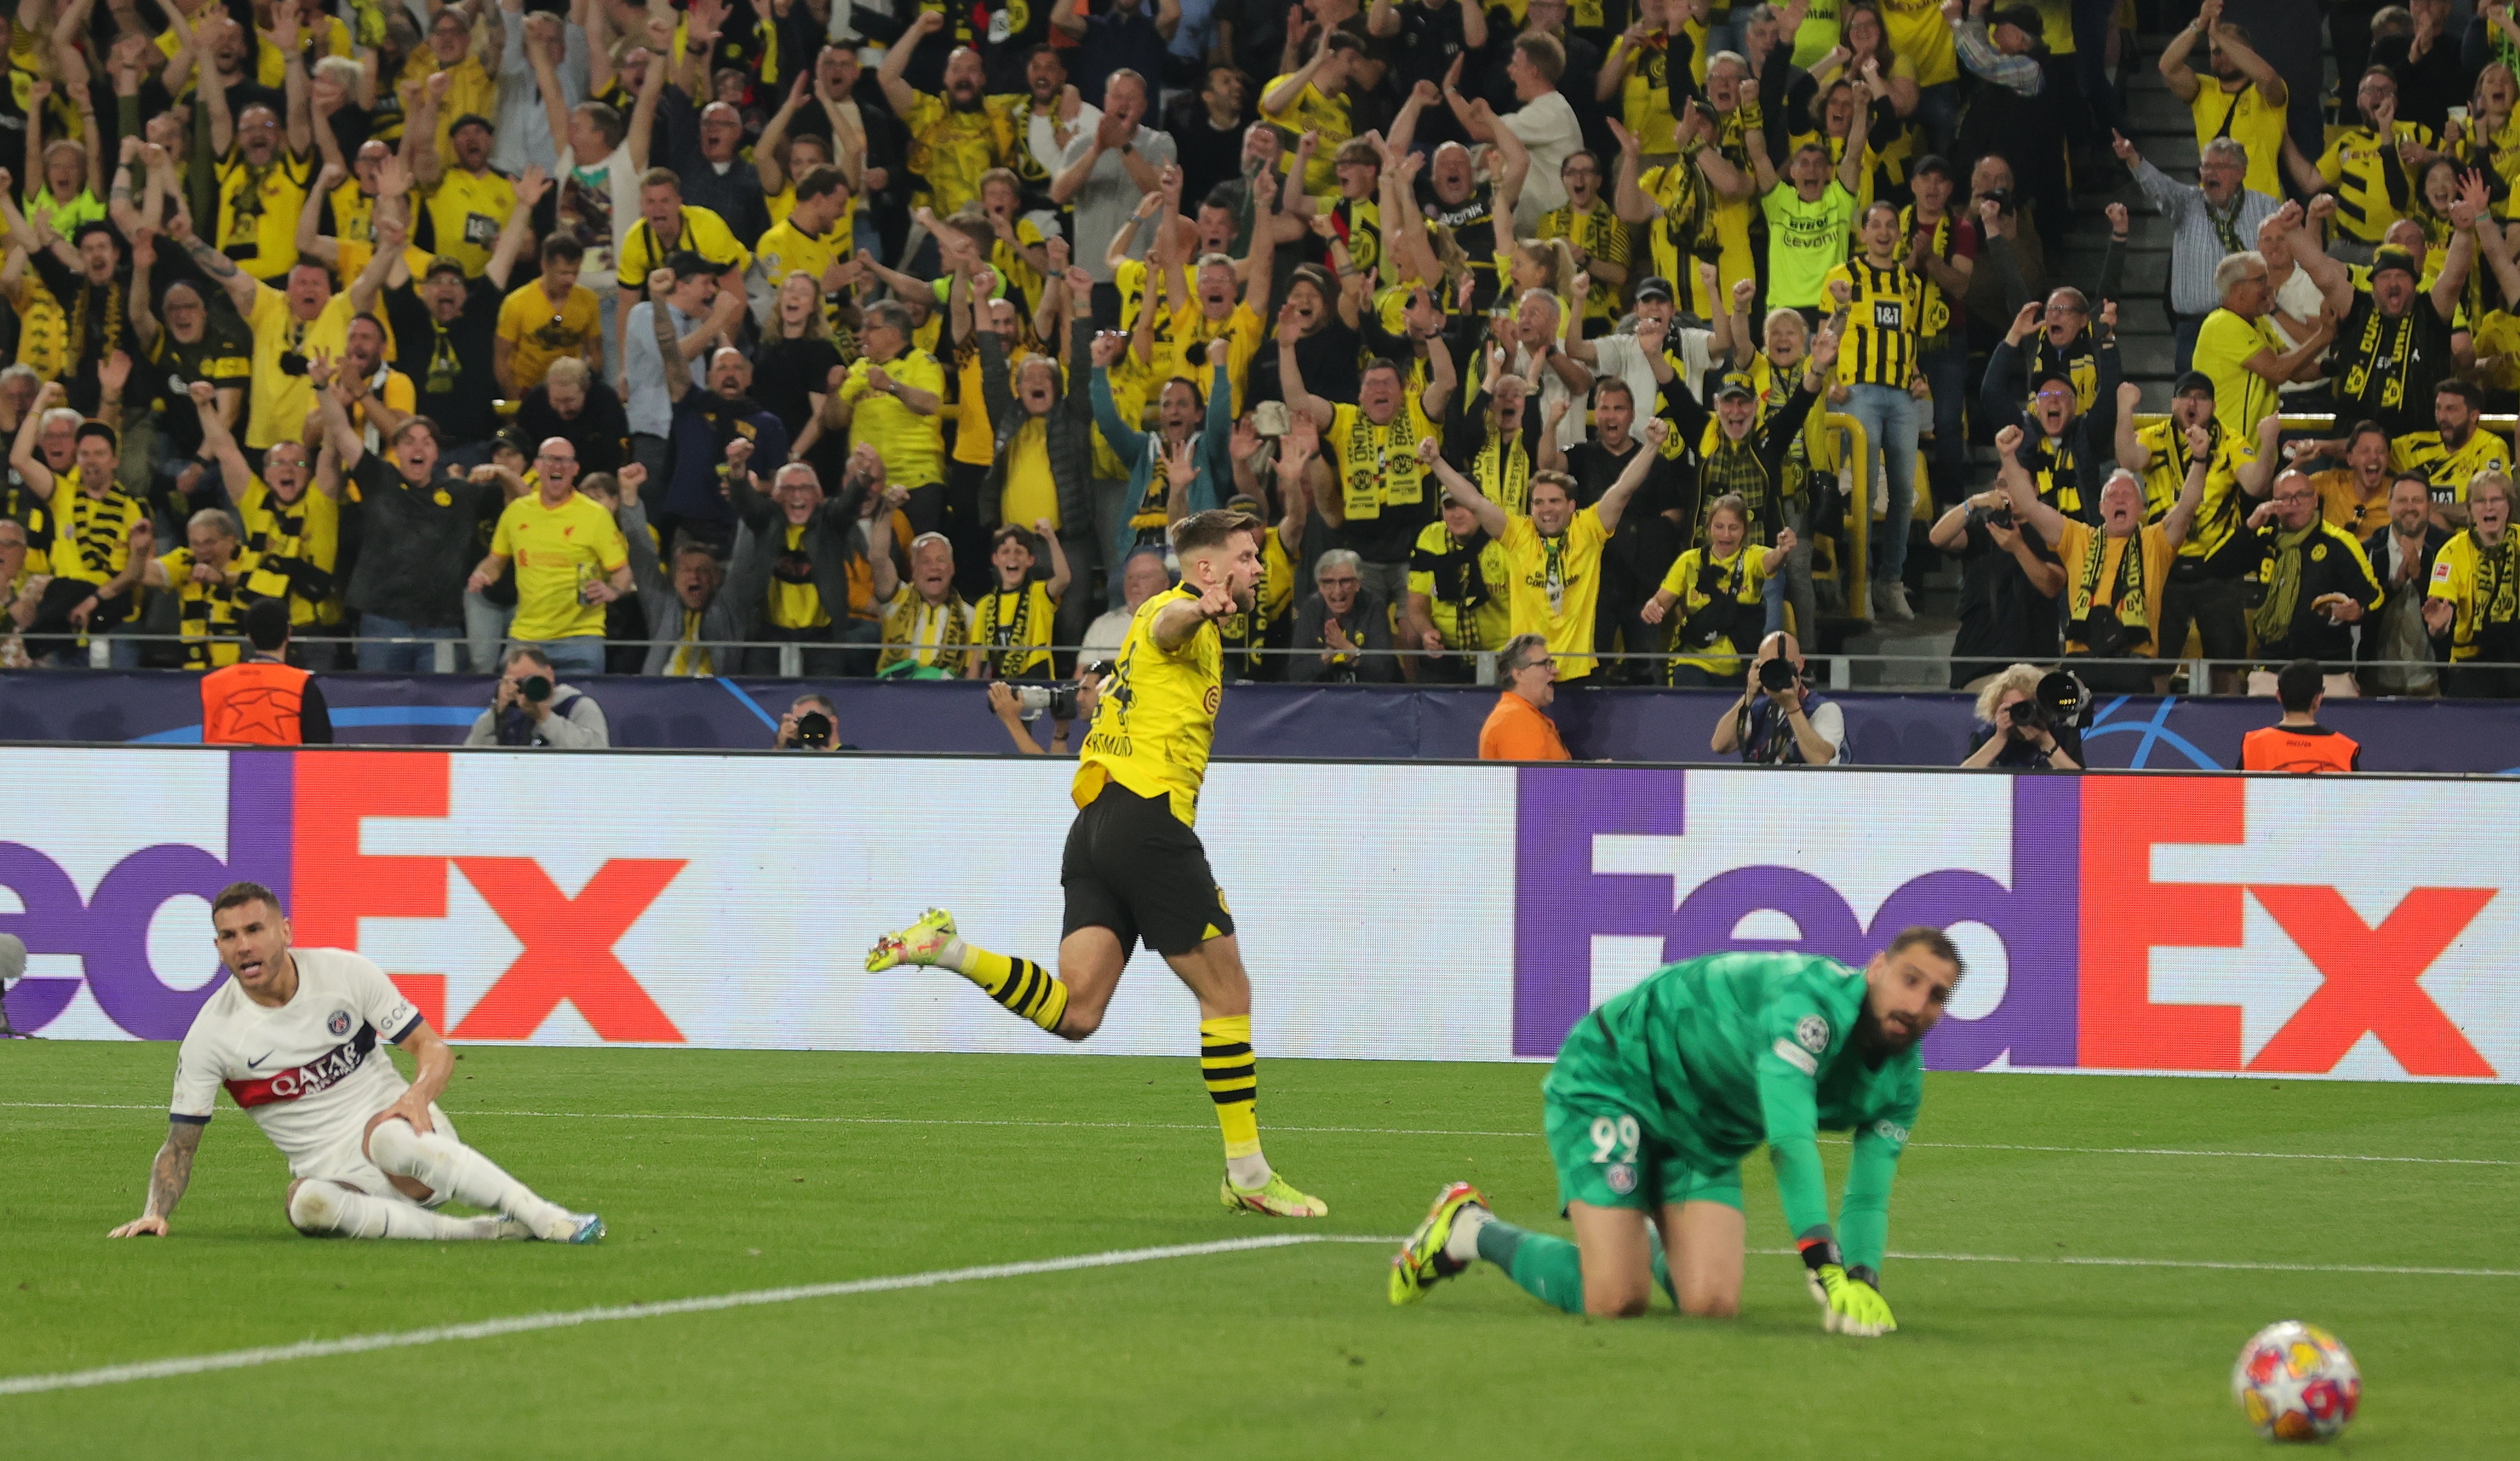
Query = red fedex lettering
x=2126 y=913
x=337 y=790
x=2370 y=976
x=569 y=949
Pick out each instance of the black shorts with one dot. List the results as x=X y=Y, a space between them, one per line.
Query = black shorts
x=1132 y=868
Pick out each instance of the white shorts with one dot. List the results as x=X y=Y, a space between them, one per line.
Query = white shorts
x=347 y=1163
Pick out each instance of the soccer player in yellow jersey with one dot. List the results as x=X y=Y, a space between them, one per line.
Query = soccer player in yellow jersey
x=1134 y=868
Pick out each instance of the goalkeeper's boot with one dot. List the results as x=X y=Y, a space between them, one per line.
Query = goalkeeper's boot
x=922 y=943
x=1273 y=1198
x=1421 y=1261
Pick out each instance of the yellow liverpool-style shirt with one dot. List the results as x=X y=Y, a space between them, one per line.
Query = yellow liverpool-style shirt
x=1556 y=582
x=1157 y=718
x=556 y=551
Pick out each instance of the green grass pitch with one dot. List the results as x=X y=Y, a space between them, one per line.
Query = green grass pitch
x=897 y=1165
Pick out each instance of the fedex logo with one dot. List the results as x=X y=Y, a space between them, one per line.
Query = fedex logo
x=2260 y=958
x=298 y=822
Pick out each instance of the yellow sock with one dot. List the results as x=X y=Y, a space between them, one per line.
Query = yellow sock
x=1226 y=1062
x=1019 y=984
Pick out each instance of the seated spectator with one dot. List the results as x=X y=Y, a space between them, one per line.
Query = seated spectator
x=2472 y=602
x=1343 y=630
x=2012 y=730
x=2315 y=585
x=530 y=707
x=1784 y=724
x=1718 y=589
x=927 y=625
x=2298 y=743
x=2397 y=653
x=2114 y=574
x=2009 y=581
x=1516 y=730
x=575 y=405
x=796 y=563
x=812 y=724
x=1141 y=577
x=570 y=562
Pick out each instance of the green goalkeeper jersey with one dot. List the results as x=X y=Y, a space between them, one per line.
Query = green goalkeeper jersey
x=1718 y=1055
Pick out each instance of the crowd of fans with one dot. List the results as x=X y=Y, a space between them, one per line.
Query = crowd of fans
x=658 y=339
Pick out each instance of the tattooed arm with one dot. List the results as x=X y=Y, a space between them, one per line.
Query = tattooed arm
x=168 y=1177
x=242 y=287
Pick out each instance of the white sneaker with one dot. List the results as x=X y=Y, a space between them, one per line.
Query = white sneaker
x=1890 y=602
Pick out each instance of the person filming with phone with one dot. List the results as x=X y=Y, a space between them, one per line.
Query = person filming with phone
x=532 y=708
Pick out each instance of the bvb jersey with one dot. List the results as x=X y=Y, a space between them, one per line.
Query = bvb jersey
x=1157 y=718
x=1715 y=1055
x=1311 y=111
x=1011 y=628
x=465 y=215
x=1885 y=310
x=2247 y=119
x=2448 y=471
x=258 y=210
x=2483 y=584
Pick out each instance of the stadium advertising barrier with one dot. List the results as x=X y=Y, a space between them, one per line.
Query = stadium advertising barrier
x=2202 y=923
x=164 y=707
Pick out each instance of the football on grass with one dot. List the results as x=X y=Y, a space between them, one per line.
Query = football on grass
x=2297 y=1382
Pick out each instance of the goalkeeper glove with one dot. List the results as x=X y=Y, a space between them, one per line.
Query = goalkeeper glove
x=1849 y=1300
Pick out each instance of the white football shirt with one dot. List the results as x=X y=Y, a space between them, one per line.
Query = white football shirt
x=311 y=1072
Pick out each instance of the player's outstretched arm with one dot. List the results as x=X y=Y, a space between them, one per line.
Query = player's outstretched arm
x=1787 y=1071
x=1863 y=1212
x=168 y=1177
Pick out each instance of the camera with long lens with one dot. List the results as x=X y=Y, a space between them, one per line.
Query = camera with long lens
x=1991 y=516
x=814 y=731
x=515 y=725
x=291 y=363
x=1058 y=699
x=1777 y=674
x=2029 y=720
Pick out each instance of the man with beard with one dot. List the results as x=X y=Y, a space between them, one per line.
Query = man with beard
x=2367 y=166
x=2475 y=596
x=2355 y=496
x=2245 y=102
x=2398 y=338
x=953 y=138
x=463 y=205
x=2395 y=650
x=446 y=326
x=2314 y=586
x=2450 y=455
x=1657 y=1096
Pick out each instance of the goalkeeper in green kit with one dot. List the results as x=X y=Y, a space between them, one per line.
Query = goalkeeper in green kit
x=1658 y=1096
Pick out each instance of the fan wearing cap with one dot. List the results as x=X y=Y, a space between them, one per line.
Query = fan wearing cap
x=1746 y=455
x=2399 y=338
x=446 y=324
x=466 y=203
x=2450 y=455
x=2158 y=453
x=2068 y=452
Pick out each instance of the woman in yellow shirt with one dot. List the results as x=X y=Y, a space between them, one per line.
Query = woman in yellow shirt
x=1719 y=588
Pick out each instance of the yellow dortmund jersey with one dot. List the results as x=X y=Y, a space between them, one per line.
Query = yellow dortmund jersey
x=1742 y=578
x=91 y=535
x=1644 y=94
x=1157 y=718
x=1670 y=240
x=2167 y=474
x=912 y=446
x=300 y=541
x=1597 y=232
x=2450 y=471
x=1556 y=582
x=2355 y=166
x=2483 y=583
x=1357 y=223
x=1242 y=331
x=1918 y=32
x=466 y=213
x=1013 y=630
x=1311 y=111
x=212 y=615
x=2247 y=119
x=258 y=210
x=786 y=249
x=1377 y=465
x=473 y=92
x=2096 y=570
x=557 y=551
x=540 y=333
x=354 y=218
x=795 y=601
x=271 y=63
x=704 y=232
x=975 y=442
x=949 y=148
x=1885 y=309
x=281 y=400
x=1031 y=492
x=1013 y=266
x=1466 y=593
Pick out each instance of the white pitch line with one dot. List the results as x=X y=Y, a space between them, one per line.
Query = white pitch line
x=2074 y=1261
x=360 y=1344
x=1150 y=1126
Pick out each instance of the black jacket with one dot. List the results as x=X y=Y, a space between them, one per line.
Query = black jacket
x=2085 y=455
x=2376 y=548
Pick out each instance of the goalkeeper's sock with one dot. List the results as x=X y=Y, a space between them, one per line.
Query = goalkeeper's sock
x=1462 y=1244
x=1019 y=984
x=1232 y=1076
x=1550 y=1269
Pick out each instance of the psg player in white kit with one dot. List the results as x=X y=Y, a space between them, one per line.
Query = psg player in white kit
x=293 y=1035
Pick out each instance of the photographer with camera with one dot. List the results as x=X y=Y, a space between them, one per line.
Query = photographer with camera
x=2115 y=573
x=1778 y=721
x=2018 y=727
x=532 y=708
x=1016 y=705
x=2009 y=581
x=812 y=724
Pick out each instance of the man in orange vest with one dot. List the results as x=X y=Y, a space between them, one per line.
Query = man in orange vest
x=263 y=701
x=1516 y=730
x=2298 y=742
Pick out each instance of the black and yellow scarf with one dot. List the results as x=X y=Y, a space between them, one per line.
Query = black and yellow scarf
x=2126 y=597
x=2273 y=618
x=1003 y=621
x=2386 y=346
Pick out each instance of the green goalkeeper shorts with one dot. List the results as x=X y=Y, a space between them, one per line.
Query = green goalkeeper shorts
x=1606 y=1160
